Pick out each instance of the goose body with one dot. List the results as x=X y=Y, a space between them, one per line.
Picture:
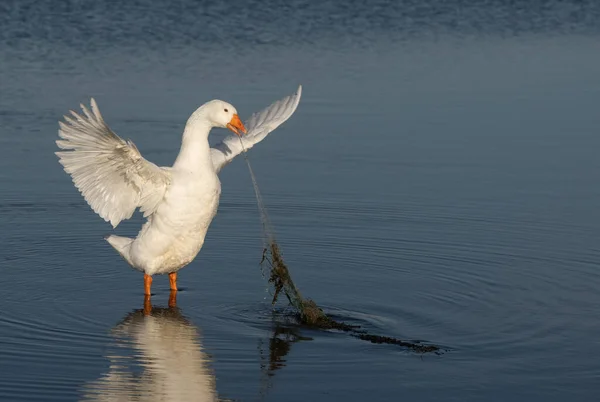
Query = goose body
x=179 y=202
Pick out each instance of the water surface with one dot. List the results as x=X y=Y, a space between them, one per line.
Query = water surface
x=439 y=181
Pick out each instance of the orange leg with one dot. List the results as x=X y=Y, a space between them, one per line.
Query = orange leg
x=173 y=299
x=147 y=284
x=173 y=281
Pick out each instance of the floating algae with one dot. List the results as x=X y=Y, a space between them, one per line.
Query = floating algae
x=307 y=311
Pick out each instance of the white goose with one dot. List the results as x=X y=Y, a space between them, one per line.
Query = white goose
x=179 y=202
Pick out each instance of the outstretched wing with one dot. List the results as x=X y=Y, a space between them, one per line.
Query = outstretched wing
x=110 y=172
x=258 y=125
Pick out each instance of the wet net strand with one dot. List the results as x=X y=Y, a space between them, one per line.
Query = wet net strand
x=279 y=275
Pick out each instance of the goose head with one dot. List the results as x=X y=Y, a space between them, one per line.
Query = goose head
x=224 y=115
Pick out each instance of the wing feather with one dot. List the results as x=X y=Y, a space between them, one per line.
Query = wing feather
x=259 y=125
x=110 y=172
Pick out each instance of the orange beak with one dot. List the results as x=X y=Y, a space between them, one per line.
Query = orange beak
x=236 y=125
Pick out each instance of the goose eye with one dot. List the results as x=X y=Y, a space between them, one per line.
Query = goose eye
x=226 y=110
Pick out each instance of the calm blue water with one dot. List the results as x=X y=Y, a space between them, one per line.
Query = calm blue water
x=439 y=181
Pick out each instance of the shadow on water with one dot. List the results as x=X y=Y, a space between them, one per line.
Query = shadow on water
x=157 y=355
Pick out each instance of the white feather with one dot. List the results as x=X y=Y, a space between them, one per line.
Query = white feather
x=110 y=172
x=259 y=125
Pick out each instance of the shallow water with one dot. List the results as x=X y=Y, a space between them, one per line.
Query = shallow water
x=439 y=181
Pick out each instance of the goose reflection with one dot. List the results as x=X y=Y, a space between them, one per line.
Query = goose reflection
x=167 y=364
